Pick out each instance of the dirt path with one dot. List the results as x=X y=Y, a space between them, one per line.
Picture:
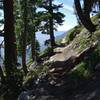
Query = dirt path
x=63 y=53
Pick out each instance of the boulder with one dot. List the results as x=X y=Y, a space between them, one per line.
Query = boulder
x=63 y=42
x=97 y=67
x=60 y=59
x=26 y=95
x=69 y=58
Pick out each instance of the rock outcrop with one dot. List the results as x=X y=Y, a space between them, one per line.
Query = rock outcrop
x=69 y=57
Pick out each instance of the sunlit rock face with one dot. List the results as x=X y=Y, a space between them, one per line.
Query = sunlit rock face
x=69 y=57
x=62 y=55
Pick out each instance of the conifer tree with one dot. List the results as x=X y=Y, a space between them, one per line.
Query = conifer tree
x=53 y=19
x=10 y=49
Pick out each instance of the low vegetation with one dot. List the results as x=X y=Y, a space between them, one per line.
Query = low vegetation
x=82 y=38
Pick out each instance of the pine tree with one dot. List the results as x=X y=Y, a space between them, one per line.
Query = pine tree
x=31 y=29
x=53 y=19
x=24 y=33
x=10 y=49
x=9 y=38
x=32 y=13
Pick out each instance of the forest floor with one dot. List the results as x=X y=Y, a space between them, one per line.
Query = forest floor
x=65 y=89
x=78 y=83
x=89 y=91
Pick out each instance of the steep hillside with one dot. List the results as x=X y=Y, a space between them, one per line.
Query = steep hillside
x=77 y=41
x=73 y=73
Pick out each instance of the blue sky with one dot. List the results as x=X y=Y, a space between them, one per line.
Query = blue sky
x=68 y=10
x=70 y=19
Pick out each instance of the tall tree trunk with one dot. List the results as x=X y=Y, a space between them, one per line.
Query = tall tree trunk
x=88 y=8
x=33 y=47
x=33 y=34
x=52 y=37
x=10 y=49
x=9 y=38
x=24 y=34
x=2 y=75
x=84 y=16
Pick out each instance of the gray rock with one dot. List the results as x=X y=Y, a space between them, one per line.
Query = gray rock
x=60 y=59
x=25 y=95
x=97 y=67
x=69 y=58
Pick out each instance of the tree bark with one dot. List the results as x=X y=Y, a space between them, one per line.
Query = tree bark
x=33 y=47
x=33 y=34
x=2 y=75
x=10 y=50
x=52 y=37
x=88 y=8
x=24 y=34
x=84 y=15
x=9 y=38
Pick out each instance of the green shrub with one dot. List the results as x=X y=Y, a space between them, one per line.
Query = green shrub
x=72 y=33
x=46 y=52
x=81 y=71
x=86 y=67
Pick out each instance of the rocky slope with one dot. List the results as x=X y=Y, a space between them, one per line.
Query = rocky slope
x=73 y=72
x=83 y=41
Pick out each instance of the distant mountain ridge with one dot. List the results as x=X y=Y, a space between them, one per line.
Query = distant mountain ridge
x=61 y=36
x=58 y=35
